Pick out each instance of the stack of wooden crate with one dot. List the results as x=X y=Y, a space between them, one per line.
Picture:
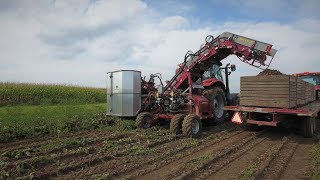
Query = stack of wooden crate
x=280 y=91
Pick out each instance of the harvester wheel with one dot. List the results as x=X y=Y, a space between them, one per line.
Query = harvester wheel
x=307 y=126
x=176 y=124
x=144 y=120
x=191 y=126
x=217 y=99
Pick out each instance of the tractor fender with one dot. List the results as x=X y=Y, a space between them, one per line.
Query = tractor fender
x=213 y=82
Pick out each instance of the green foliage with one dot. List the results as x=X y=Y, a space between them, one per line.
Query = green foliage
x=32 y=110
x=105 y=176
x=190 y=143
x=17 y=154
x=41 y=94
x=64 y=143
x=139 y=150
x=249 y=171
x=315 y=153
x=198 y=159
x=118 y=143
x=315 y=175
x=127 y=125
x=31 y=121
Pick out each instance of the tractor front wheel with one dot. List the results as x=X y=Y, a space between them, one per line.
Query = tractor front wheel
x=144 y=120
x=176 y=124
x=191 y=126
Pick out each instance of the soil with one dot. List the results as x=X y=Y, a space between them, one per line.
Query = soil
x=268 y=72
x=224 y=151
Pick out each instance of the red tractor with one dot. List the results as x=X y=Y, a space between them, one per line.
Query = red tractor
x=197 y=91
x=313 y=78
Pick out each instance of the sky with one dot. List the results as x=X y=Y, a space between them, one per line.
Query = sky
x=76 y=42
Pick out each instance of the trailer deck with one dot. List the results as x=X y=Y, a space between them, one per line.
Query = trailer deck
x=305 y=118
x=312 y=109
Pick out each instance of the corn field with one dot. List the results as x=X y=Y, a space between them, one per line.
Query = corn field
x=41 y=94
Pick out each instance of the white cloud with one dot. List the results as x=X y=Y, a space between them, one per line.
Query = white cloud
x=77 y=43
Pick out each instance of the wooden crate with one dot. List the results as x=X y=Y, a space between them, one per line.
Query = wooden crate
x=281 y=91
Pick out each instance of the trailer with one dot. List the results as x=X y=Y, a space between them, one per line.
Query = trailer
x=304 y=118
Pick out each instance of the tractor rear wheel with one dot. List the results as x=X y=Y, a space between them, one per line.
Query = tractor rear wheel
x=191 y=126
x=307 y=126
x=176 y=124
x=144 y=120
x=217 y=99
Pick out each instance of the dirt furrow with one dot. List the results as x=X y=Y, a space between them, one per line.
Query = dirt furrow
x=174 y=155
x=175 y=151
x=169 y=169
x=158 y=152
x=91 y=160
x=275 y=164
x=161 y=149
x=299 y=166
x=220 y=159
x=37 y=143
x=246 y=157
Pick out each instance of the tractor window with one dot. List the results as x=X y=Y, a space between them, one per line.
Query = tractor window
x=217 y=72
x=207 y=75
x=311 y=79
x=213 y=72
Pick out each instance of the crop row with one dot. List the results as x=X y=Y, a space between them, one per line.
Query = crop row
x=21 y=122
x=42 y=94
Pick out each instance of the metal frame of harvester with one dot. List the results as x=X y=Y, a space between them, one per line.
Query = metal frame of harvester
x=188 y=98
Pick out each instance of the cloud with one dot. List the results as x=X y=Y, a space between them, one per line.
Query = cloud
x=77 y=43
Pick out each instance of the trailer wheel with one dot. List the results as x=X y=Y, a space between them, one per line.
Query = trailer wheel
x=317 y=123
x=176 y=124
x=191 y=126
x=217 y=99
x=307 y=126
x=144 y=120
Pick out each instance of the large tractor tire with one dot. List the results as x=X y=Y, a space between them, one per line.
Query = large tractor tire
x=176 y=124
x=144 y=120
x=307 y=126
x=191 y=126
x=217 y=99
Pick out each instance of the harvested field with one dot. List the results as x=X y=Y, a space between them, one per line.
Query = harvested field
x=223 y=152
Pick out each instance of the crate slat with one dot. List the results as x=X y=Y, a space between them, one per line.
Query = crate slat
x=282 y=91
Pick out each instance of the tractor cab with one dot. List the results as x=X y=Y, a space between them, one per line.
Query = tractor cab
x=313 y=78
x=213 y=72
